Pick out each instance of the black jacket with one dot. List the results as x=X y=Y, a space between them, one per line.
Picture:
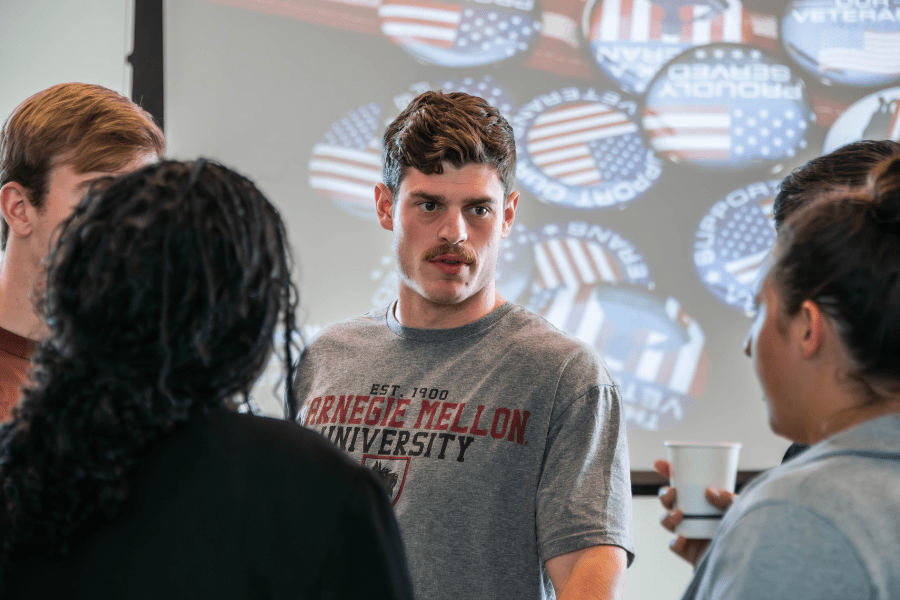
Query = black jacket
x=234 y=506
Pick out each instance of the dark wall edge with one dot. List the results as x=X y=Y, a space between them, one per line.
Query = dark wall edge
x=647 y=483
x=147 y=82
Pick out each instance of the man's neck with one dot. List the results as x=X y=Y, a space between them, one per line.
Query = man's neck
x=412 y=310
x=16 y=305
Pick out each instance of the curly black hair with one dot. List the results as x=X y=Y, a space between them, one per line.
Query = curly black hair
x=162 y=300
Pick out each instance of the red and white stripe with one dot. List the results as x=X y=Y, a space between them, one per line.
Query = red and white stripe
x=557 y=140
x=689 y=132
x=347 y=174
x=423 y=22
x=641 y=21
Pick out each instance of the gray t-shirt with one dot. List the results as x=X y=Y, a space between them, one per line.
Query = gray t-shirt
x=823 y=526
x=502 y=443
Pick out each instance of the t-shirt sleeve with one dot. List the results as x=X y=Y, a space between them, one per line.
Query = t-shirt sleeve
x=584 y=493
x=371 y=562
x=781 y=550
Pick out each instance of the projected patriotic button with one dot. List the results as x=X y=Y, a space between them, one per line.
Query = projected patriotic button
x=346 y=165
x=581 y=148
x=850 y=42
x=732 y=242
x=464 y=33
x=578 y=255
x=727 y=107
x=485 y=88
x=655 y=350
x=631 y=40
x=875 y=117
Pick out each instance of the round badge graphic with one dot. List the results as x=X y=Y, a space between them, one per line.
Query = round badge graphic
x=581 y=148
x=654 y=349
x=727 y=107
x=850 y=42
x=733 y=241
x=461 y=33
x=875 y=117
x=631 y=40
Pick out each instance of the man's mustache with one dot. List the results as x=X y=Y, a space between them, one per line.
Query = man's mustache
x=465 y=255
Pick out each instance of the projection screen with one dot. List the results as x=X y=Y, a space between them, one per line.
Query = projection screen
x=652 y=137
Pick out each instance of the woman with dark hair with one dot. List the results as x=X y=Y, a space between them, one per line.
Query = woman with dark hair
x=826 y=346
x=123 y=473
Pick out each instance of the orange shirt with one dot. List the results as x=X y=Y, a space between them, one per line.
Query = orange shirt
x=15 y=352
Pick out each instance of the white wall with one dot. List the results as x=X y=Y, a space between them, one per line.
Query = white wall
x=44 y=42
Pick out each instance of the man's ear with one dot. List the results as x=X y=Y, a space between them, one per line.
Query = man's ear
x=812 y=329
x=509 y=212
x=384 y=206
x=14 y=205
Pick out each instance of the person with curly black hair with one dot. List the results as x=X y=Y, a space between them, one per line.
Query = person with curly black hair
x=122 y=473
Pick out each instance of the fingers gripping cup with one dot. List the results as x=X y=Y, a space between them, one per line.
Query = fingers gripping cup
x=695 y=467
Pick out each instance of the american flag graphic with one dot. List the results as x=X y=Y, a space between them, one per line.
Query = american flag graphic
x=718 y=135
x=633 y=332
x=346 y=165
x=572 y=262
x=457 y=35
x=876 y=52
x=574 y=144
x=746 y=238
x=642 y=21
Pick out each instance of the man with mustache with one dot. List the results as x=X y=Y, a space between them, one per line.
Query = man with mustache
x=505 y=436
x=52 y=148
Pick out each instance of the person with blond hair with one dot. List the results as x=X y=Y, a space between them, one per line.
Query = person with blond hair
x=52 y=147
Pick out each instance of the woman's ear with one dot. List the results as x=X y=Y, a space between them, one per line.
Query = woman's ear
x=812 y=329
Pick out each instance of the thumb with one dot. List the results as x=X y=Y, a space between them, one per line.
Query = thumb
x=720 y=498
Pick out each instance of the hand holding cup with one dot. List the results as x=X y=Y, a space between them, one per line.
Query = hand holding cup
x=704 y=503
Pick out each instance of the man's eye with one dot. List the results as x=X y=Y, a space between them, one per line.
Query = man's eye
x=480 y=210
x=429 y=206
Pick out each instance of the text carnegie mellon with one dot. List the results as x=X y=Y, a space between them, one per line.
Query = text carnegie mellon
x=380 y=411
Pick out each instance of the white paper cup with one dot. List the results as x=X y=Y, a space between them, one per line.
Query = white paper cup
x=695 y=467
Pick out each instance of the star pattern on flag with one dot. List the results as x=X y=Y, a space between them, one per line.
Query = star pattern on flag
x=357 y=128
x=765 y=133
x=747 y=231
x=620 y=157
x=483 y=30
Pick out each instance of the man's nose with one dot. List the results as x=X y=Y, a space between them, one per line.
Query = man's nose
x=453 y=228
